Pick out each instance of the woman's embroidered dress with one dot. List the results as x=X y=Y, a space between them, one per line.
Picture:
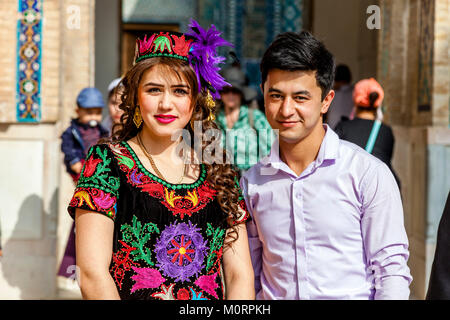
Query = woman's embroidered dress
x=168 y=239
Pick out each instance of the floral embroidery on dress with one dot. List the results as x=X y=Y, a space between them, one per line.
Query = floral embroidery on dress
x=180 y=251
x=216 y=248
x=146 y=278
x=95 y=199
x=139 y=235
x=208 y=284
x=192 y=202
x=122 y=263
x=97 y=172
x=197 y=295
x=159 y=252
x=166 y=293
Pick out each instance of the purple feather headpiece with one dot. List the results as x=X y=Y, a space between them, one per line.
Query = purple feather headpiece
x=198 y=47
x=204 y=59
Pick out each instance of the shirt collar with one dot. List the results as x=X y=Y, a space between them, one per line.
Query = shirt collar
x=328 y=151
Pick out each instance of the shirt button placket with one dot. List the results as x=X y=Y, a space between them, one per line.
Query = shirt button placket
x=300 y=249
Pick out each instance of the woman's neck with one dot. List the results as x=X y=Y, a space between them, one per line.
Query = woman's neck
x=364 y=114
x=233 y=109
x=159 y=147
x=231 y=116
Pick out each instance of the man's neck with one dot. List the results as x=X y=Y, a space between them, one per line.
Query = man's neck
x=298 y=156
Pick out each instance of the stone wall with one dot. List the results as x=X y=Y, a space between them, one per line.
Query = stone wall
x=413 y=68
x=341 y=25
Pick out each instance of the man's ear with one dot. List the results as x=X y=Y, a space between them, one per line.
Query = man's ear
x=327 y=102
x=261 y=86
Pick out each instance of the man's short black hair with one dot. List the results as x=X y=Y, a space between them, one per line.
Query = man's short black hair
x=300 y=51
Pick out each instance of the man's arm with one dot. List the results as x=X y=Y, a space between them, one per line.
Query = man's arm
x=254 y=243
x=439 y=285
x=384 y=235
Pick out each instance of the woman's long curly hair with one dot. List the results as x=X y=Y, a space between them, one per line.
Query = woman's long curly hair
x=221 y=177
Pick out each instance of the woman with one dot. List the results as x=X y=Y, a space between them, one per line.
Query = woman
x=245 y=131
x=114 y=93
x=366 y=129
x=174 y=230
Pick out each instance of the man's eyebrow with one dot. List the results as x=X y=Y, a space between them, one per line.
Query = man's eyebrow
x=301 y=92
x=272 y=89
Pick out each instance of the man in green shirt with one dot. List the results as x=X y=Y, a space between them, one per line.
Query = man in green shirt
x=246 y=134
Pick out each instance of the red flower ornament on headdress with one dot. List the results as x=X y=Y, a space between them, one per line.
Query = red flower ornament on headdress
x=145 y=45
x=182 y=45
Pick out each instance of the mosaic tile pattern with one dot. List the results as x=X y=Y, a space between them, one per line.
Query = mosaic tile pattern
x=273 y=19
x=292 y=15
x=29 y=61
x=235 y=25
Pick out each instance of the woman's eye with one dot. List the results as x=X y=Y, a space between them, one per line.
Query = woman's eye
x=181 y=91
x=154 y=90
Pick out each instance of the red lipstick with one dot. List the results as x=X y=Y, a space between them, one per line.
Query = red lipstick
x=165 y=118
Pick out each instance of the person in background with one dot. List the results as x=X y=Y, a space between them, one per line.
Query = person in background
x=366 y=129
x=84 y=131
x=342 y=104
x=115 y=89
x=246 y=134
x=327 y=217
x=439 y=285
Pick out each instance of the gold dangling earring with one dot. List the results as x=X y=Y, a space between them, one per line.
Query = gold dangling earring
x=210 y=103
x=137 y=117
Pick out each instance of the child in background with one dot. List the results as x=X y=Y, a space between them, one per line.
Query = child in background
x=83 y=131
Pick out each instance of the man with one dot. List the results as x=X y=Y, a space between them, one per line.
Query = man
x=439 y=285
x=327 y=219
x=342 y=105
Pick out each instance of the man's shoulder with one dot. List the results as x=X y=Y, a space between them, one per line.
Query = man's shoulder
x=259 y=171
x=357 y=160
